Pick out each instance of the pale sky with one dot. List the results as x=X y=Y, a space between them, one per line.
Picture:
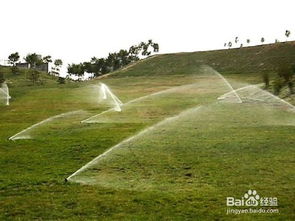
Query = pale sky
x=76 y=30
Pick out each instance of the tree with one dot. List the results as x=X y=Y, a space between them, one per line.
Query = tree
x=76 y=69
x=224 y=45
x=229 y=44
x=134 y=52
x=286 y=73
x=88 y=67
x=123 y=56
x=98 y=66
x=155 y=47
x=144 y=47
x=248 y=41
x=262 y=40
x=114 y=61
x=57 y=65
x=103 y=65
x=287 y=33
x=34 y=60
x=47 y=59
x=13 y=58
x=236 y=40
x=110 y=62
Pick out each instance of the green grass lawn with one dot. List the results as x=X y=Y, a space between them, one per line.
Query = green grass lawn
x=182 y=170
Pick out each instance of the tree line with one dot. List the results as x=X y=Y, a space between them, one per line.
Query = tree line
x=114 y=61
x=262 y=40
x=284 y=72
x=96 y=66
x=284 y=78
x=35 y=60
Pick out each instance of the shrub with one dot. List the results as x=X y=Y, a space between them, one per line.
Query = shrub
x=14 y=69
x=61 y=80
x=265 y=78
x=286 y=73
x=277 y=86
x=34 y=76
x=2 y=79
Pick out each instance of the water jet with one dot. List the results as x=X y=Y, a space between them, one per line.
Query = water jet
x=4 y=93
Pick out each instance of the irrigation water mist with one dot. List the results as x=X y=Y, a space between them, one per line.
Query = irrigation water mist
x=107 y=93
x=228 y=94
x=25 y=134
x=254 y=93
x=206 y=74
x=144 y=160
x=4 y=93
x=226 y=82
x=203 y=84
x=91 y=119
x=141 y=133
x=155 y=157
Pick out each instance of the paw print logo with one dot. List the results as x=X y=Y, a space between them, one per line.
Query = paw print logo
x=252 y=198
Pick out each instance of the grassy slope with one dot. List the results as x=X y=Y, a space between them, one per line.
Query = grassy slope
x=237 y=61
x=32 y=171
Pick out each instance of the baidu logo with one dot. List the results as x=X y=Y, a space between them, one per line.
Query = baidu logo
x=251 y=198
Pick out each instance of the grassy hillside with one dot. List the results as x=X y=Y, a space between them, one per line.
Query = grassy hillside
x=181 y=170
x=254 y=59
x=22 y=77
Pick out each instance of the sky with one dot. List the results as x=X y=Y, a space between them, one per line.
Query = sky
x=76 y=30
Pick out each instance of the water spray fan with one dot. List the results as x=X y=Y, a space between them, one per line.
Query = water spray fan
x=106 y=92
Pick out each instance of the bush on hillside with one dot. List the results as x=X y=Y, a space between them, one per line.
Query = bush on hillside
x=286 y=73
x=2 y=78
x=61 y=80
x=265 y=77
x=277 y=86
x=34 y=76
x=14 y=70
